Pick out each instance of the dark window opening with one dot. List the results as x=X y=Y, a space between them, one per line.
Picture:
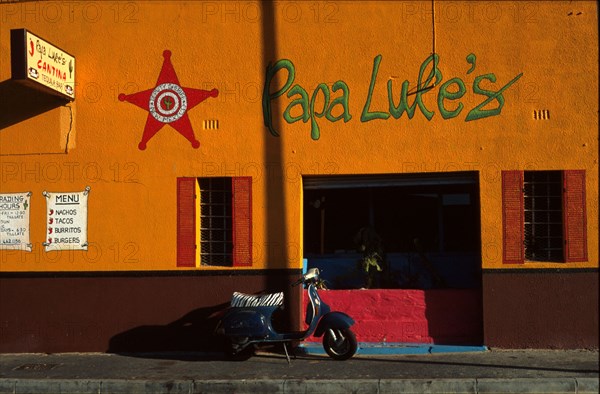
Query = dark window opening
x=216 y=243
x=543 y=215
x=394 y=230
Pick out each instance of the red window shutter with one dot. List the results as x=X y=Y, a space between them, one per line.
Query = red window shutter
x=575 y=231
x=241 y=188
x=186 y=222
x=513 y=251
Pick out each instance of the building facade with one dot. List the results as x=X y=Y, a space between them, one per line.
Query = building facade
x=438 y=161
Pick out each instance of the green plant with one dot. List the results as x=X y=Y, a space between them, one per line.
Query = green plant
x=371 y=261
x=370 y=245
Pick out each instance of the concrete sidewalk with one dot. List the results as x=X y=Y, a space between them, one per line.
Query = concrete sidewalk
x=492 y=371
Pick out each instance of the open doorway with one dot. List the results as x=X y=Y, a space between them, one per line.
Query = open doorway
x=410 y=242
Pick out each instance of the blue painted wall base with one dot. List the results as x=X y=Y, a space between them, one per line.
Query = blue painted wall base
x=369 y=348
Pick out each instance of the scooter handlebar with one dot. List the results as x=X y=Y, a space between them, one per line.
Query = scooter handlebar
x=311 y=275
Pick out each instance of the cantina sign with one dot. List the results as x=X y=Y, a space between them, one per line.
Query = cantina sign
x=40 y=64
x=404 y=100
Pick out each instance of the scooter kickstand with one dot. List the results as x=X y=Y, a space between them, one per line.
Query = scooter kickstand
x=287 y=356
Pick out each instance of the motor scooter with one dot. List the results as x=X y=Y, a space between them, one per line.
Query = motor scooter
x=248 y=322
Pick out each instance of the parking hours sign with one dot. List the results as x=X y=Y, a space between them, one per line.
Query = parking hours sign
x=66 y=221
x=14 y=221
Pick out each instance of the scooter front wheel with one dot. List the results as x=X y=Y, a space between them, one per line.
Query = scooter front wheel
x=340 y=343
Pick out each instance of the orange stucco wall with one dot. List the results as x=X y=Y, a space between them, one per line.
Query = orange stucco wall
x=119 y=47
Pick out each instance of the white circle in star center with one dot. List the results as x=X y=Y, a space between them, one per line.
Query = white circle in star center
x=156 y=103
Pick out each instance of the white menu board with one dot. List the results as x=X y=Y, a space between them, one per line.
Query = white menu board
x=66 y=220
x=14 y=221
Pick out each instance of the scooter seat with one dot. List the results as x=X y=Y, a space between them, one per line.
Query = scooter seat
x=241 y=300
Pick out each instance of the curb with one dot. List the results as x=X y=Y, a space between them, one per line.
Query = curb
x=334 y=386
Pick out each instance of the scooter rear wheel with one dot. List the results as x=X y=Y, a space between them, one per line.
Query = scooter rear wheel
x=340 y=344
x=238 y=349
x=234 y=353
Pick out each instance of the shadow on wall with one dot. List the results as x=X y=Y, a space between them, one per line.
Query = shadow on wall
x=20 y=103
x=276 y=230
x=194 y=332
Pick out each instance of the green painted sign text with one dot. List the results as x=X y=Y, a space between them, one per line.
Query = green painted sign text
x=302 y=105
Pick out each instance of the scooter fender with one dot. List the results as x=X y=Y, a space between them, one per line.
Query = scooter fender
x=336 y=320
x=245 y=322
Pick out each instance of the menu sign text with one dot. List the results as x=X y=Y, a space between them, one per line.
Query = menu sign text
x=66 y=221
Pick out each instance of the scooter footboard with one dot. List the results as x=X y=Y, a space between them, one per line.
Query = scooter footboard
x=336 y=320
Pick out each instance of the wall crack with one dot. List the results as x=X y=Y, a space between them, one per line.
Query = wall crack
x=70 y=128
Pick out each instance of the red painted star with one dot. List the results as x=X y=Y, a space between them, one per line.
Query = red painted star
x=168 y=103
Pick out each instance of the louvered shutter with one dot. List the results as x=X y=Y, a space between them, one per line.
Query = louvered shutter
x=186 y=222
x=241 y=195
x=513 y=251
x=575 y=231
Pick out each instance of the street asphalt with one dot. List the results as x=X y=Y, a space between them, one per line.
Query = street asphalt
x=491 y=371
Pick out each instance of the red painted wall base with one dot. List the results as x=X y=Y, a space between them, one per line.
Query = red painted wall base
x=452 y=317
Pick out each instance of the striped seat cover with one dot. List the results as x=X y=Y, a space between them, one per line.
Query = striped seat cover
x=240 y=300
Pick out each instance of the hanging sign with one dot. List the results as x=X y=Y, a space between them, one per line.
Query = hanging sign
x=40 y=64
x=66 y=221
x=14 y=221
